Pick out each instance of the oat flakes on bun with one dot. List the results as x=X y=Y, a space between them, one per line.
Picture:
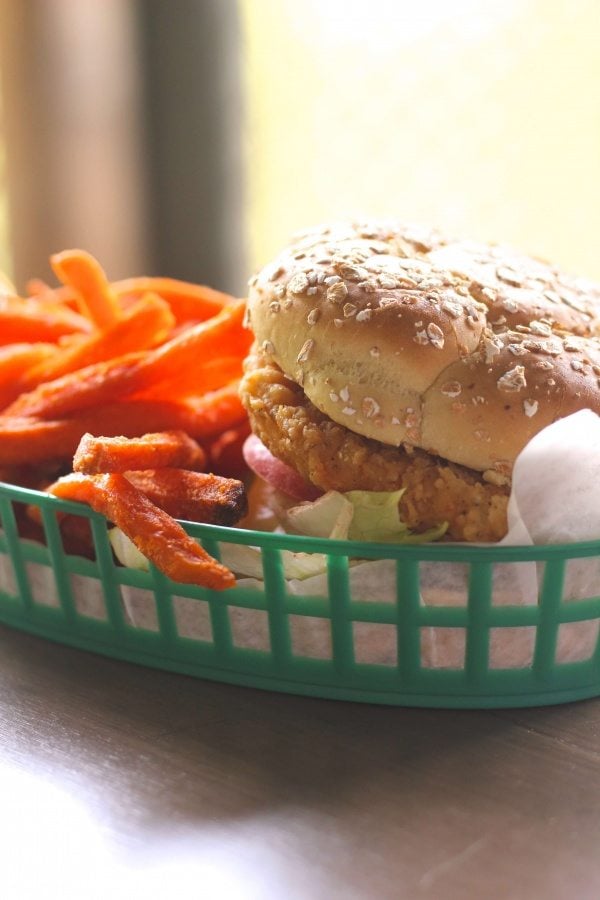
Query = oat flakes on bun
x=388 y=357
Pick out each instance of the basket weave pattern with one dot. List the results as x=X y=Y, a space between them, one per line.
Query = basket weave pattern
x=401 y=650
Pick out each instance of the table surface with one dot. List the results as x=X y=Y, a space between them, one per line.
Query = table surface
x=122 y=781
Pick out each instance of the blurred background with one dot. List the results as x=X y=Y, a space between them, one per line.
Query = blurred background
x=192 y=138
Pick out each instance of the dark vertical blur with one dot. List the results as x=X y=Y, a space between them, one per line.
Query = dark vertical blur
x=192 y=119
x=121 y=126
x=71 y=132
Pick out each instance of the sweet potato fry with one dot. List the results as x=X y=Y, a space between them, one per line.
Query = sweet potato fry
x=196 y=496
x=206 y=376
x=15 y=361
x=41 y=440
x=175 y=449
x=197 y=351
x=188 y=302
x=214 y=413
x=32 y=320
x=143 y=325
x=201 y=359
x=156 y=535
x=83 y=273
x=37 y=440
x=78 y=391
x=39 y=289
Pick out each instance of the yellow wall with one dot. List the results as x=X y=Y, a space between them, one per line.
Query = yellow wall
x=479 y=117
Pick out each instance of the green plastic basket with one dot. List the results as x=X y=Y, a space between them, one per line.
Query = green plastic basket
x=342 y=644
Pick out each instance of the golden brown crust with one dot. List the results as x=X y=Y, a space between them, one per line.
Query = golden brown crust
x=461 y=349
x=334 y=458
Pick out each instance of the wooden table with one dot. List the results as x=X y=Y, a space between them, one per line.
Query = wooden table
x=118 y=781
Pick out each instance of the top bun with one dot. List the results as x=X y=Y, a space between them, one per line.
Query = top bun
x=464 y=350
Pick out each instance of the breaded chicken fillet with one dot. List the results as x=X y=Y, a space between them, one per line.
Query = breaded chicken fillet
x=333 y=458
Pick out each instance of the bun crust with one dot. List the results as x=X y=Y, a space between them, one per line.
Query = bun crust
x=463 y=350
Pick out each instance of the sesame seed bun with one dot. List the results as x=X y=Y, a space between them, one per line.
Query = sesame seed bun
x=408 y=338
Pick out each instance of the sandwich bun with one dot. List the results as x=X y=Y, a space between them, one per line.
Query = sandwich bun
x=409 y=338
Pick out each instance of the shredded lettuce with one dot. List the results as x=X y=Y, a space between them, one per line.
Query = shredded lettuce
x=126 y=551
x=358 y=516
x=329 y=516
x=247 y=561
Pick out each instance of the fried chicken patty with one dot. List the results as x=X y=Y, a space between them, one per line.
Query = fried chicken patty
x=334 y=458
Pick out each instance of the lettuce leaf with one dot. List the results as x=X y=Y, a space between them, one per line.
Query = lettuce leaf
x=329 y=516
x=377 y=518
x=357 y=516
x=126 y=551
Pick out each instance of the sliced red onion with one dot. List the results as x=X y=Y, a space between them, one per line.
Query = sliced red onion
x=275 y=472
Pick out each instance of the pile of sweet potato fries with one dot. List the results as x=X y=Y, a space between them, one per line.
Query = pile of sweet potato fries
x=133 y=385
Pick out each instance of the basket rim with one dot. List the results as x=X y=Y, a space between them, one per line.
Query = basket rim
x=446 y=552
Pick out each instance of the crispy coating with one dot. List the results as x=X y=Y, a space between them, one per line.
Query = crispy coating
x=334 y=458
